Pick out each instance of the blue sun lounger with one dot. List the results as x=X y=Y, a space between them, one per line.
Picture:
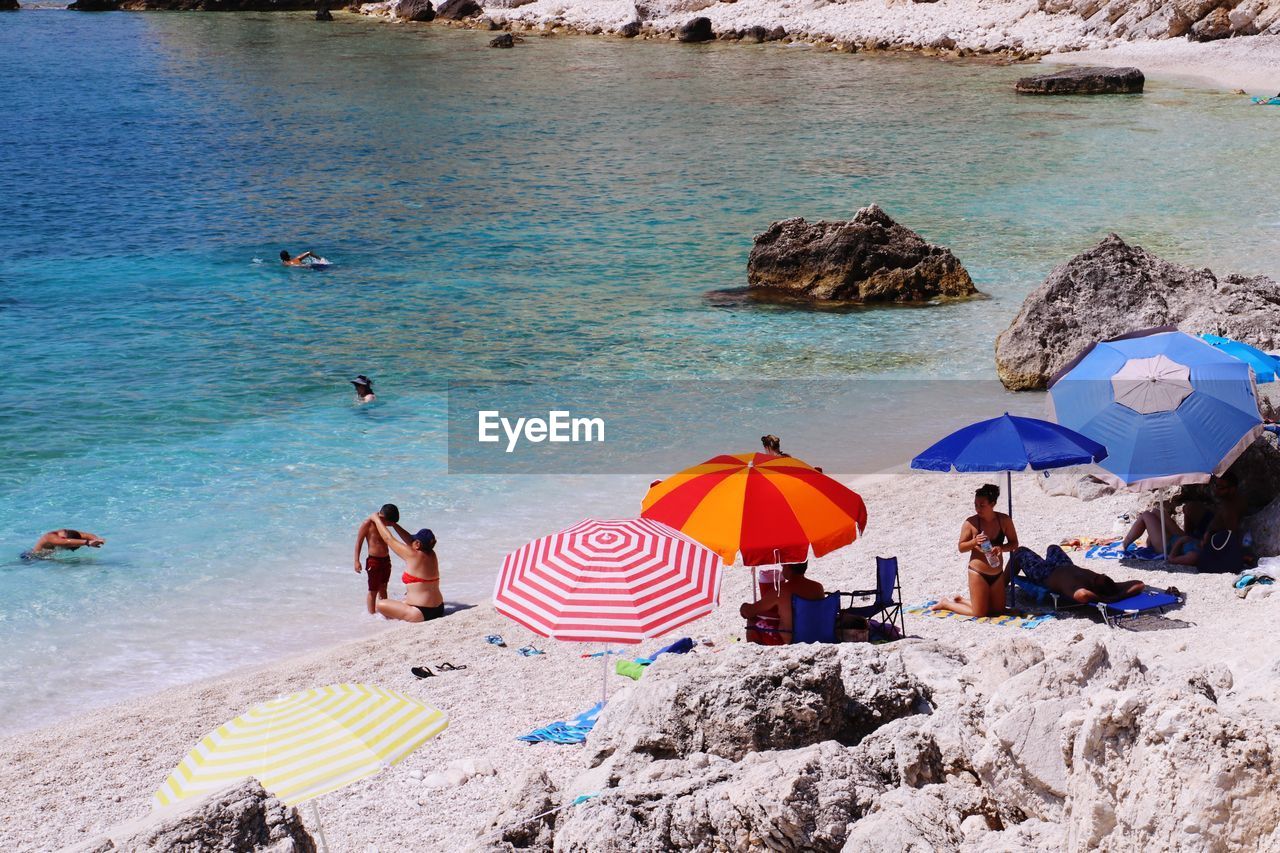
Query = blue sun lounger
x=1149 y=599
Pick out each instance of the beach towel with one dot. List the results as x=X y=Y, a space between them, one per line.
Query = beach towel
x=1012 y=620
x=573 y=731
x=634 y=669
x=1112 y=551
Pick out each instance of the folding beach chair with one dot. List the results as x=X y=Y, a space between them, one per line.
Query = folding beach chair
x=888 y=596
x=815 y=621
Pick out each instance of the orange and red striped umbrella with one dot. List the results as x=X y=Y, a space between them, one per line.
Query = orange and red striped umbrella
x=770 y=509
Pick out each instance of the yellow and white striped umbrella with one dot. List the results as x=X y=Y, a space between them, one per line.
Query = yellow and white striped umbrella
x=307 y=744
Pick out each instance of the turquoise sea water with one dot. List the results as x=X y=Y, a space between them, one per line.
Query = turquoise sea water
x=560 y=210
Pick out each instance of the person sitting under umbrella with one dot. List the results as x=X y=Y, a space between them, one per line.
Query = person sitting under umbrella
x=1055 y=572
x=986 y=536
x=771 y=616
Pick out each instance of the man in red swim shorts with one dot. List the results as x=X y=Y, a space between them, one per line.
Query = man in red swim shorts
x=377 y=567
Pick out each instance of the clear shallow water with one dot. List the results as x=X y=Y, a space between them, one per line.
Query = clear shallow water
x=560 y=210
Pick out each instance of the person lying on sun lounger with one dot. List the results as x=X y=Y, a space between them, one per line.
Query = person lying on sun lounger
x=1057 y=573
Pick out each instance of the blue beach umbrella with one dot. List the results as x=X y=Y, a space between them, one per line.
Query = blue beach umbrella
x=1265 y=367
x=1170 y=408
x=1010 y=443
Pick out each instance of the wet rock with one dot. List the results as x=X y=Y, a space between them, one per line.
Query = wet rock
x=776 y=34
x=629 y=30
x=1084 y=81
x=8 y=5
x=414 y=10
x=755 y=34
x=504 y=40
x=457 y=10
x=243 y=817
x=323 y=14
x=95 y=6
x=697 y=30
x=868 y=259
x=513 y=826
x=1115 y=288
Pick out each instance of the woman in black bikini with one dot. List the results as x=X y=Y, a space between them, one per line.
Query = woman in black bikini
x=986 y=582
x=422 y=599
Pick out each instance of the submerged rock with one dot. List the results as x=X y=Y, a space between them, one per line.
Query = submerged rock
x=868 y=259
x=1084 y=81
x=457 y=10
x=697 y=30
x=323 y=14
x=243 y=817
x=504 y=40
x=1115 y=288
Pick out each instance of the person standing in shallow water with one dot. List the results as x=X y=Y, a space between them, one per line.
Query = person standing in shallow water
x=985 y=572
x=377 y=567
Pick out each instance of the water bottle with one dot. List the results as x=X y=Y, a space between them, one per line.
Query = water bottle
x=993 y=559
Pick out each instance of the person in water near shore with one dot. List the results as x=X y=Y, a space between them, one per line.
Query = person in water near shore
x=1057 y=573
x=986 y=565
x=771 y=617
x=364 y=389
x=377 y=567
x=772 y=445
x=65 y=539
x=422 y=599
x=294 y=261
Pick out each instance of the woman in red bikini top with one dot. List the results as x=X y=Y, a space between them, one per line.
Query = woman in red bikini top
x=422 y=599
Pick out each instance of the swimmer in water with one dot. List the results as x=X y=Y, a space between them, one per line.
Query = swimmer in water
x=364 y=389
x=290 y=261
x=65 y=539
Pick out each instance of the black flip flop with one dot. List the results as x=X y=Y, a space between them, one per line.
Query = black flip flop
x=448 y=667
x=422 y=672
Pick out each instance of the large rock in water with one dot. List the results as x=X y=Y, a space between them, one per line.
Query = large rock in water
x=457 y=10
x=414 y=10
x=1115 y=288
x=243 y=818
x=868 y=259
x=1084 y=81
x=697 y=30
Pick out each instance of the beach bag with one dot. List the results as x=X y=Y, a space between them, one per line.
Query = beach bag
x=1223 y=555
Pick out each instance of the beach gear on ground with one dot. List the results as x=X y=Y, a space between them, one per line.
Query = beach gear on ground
x=307 y=744
x=609 y=582
x=566 y=732
x=496 y=640
x=1170 y=408
x=449 y=667
x=1027 y=621
x=769 y=509
x=635 y=668
x=1270 y=102
x=814 y=621
x=1265 y=367
x=1114 y=551
x=1010 y=443
x=1150 y=599
x=422 y=672
x=632 y=669
x=529 y=651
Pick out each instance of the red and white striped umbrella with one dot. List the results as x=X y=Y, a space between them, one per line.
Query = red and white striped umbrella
x=609 y=581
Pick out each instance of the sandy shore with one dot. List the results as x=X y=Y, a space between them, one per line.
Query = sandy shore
x=1251 y=63
x=61 y=784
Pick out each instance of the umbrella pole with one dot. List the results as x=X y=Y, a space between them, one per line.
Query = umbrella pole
x=604 y=681
x=315 y=813
x=1164 y=534
x=1008 y=484
x=755 y=586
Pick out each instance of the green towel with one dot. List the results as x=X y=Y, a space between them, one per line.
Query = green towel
x=631 y=669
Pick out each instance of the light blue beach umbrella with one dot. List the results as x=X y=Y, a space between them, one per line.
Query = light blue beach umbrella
x=1265 y=367
x=1169 y=408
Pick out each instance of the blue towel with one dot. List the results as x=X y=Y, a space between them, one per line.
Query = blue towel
x=574 y=731
x=679 y=647
x=1111 y=551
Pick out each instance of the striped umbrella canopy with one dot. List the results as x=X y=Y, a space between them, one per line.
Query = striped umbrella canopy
x=306 y=744
x=769 y=509
x=608 y=581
